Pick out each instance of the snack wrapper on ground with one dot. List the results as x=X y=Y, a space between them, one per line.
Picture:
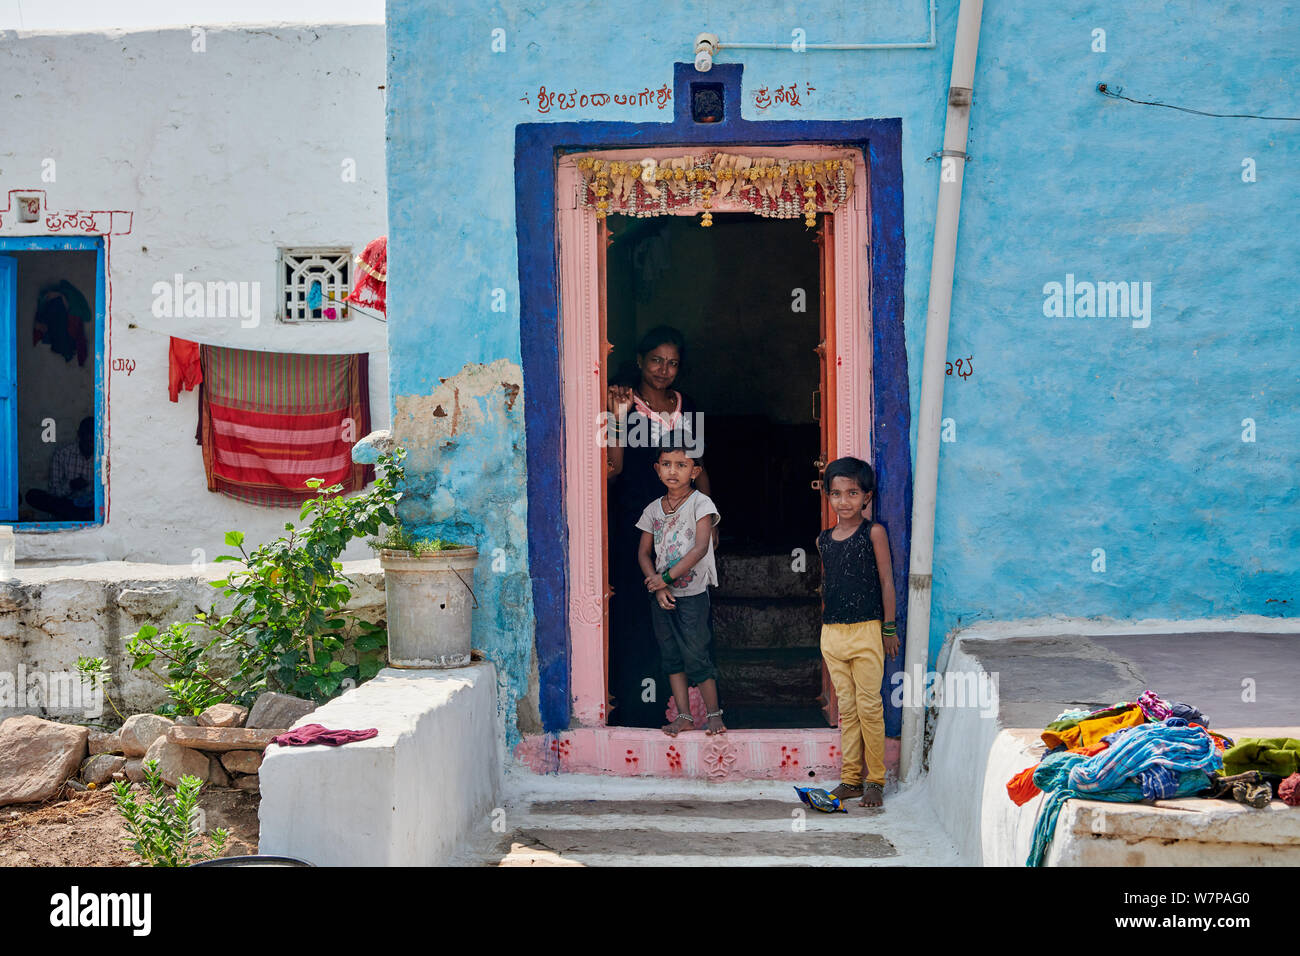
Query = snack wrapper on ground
x=819 y=799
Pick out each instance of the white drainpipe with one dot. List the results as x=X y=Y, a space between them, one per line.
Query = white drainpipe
x=926 y=479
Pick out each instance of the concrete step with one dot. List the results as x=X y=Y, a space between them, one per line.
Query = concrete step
x=571 y=820
x=765 y=715
x=766 y=623
x=781 y=676
x=769 y=575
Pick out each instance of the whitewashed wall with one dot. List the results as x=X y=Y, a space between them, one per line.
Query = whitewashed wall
x=220 y=156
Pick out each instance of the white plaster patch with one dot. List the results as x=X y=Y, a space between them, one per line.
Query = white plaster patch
x=460 y=404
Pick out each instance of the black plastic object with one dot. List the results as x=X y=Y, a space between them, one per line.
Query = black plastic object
x=254 y=860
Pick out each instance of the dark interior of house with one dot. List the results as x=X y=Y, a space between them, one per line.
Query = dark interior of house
x=745 y=294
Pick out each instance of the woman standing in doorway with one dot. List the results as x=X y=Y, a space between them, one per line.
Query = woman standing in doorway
x=651 y=414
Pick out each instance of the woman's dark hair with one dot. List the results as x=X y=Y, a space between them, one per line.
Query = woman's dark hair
x=854 y=468
x=660 y=335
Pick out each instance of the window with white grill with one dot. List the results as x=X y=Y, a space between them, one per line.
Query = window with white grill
x=314 y=284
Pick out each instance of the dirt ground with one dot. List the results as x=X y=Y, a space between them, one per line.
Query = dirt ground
x=85 y=829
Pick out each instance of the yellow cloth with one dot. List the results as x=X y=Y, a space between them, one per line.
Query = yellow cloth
x=1086 y=733
x=855 y=659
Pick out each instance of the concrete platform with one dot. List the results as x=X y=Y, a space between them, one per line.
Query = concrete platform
x=1041 y=676
x=579 y=820
x=1243 y=680
x=406 y=797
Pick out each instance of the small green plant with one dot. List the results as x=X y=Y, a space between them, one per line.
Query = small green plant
x=164 y=831
x=399 y=538
x=95 y=672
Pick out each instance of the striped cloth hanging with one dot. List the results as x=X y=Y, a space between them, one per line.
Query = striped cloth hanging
x=270 y=421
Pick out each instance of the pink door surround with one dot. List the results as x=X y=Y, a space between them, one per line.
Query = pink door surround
x=589 y=746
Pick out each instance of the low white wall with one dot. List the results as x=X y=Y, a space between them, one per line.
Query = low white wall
x=50 y=616
x=963 y=738
x=407 y=797
x=1006 y=830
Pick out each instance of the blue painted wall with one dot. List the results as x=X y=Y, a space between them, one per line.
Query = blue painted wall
x=1072 y=433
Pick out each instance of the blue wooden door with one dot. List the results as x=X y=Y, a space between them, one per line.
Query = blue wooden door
x=8 y=388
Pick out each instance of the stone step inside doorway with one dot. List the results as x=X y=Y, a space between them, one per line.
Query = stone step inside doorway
x=766 y=631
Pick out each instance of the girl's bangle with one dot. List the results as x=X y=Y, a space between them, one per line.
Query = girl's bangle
x=667 y=576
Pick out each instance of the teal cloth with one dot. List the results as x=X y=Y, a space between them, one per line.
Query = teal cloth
x=1189 y=784
x=1113 y=774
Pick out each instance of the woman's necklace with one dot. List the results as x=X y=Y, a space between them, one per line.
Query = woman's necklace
x=669 y=405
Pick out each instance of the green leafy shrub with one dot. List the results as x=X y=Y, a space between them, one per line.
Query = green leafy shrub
x=165 y=831
x=288 y=629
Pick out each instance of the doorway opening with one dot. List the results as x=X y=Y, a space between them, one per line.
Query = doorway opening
x=49 y=348
x=747 y=295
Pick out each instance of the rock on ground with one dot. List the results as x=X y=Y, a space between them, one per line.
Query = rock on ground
x=277 y=711
x=100 y=768
x=242 y=761
x=100 y=742
x=36 y=757
x=175 y=761
x=223 y=715
x=221 y=739
x=140 y=731
x=217 y=775
x=134 y=769
x=249 y=782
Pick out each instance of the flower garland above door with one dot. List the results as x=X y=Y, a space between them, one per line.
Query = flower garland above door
x=778 y=188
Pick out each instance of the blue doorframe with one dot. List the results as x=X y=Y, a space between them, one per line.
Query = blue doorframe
x=8 y=246
x=537 y=148
x=8 y=388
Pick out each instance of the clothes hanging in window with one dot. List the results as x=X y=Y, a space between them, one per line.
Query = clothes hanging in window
x=61 y=316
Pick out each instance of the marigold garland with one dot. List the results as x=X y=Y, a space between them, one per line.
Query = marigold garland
x=772 y=187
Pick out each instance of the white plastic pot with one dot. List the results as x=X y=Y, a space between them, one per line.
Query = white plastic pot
x=430 y=603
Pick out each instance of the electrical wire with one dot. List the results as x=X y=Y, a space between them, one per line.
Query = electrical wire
x=1106 y=91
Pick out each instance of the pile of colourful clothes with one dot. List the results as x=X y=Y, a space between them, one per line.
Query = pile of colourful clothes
x=1149 y=749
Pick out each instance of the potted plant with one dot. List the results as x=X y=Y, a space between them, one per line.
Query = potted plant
x=429 y=588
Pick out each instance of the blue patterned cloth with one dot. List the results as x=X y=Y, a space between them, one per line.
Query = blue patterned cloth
x=1157 y=761
x=1171 y=743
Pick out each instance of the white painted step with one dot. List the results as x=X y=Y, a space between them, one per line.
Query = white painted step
x=573 y=820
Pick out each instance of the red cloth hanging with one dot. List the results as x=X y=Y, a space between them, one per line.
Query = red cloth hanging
x=184 y=370
x=371 y=287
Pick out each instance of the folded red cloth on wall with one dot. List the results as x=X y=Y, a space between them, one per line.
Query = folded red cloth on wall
x=270 y=421
x=318 y=734
x=184 y=369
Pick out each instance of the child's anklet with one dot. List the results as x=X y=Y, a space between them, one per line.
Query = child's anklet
x=716 y=713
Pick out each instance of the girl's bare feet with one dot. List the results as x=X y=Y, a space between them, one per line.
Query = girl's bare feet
x=873 y=795
x=680 y=722
x=716 y=726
